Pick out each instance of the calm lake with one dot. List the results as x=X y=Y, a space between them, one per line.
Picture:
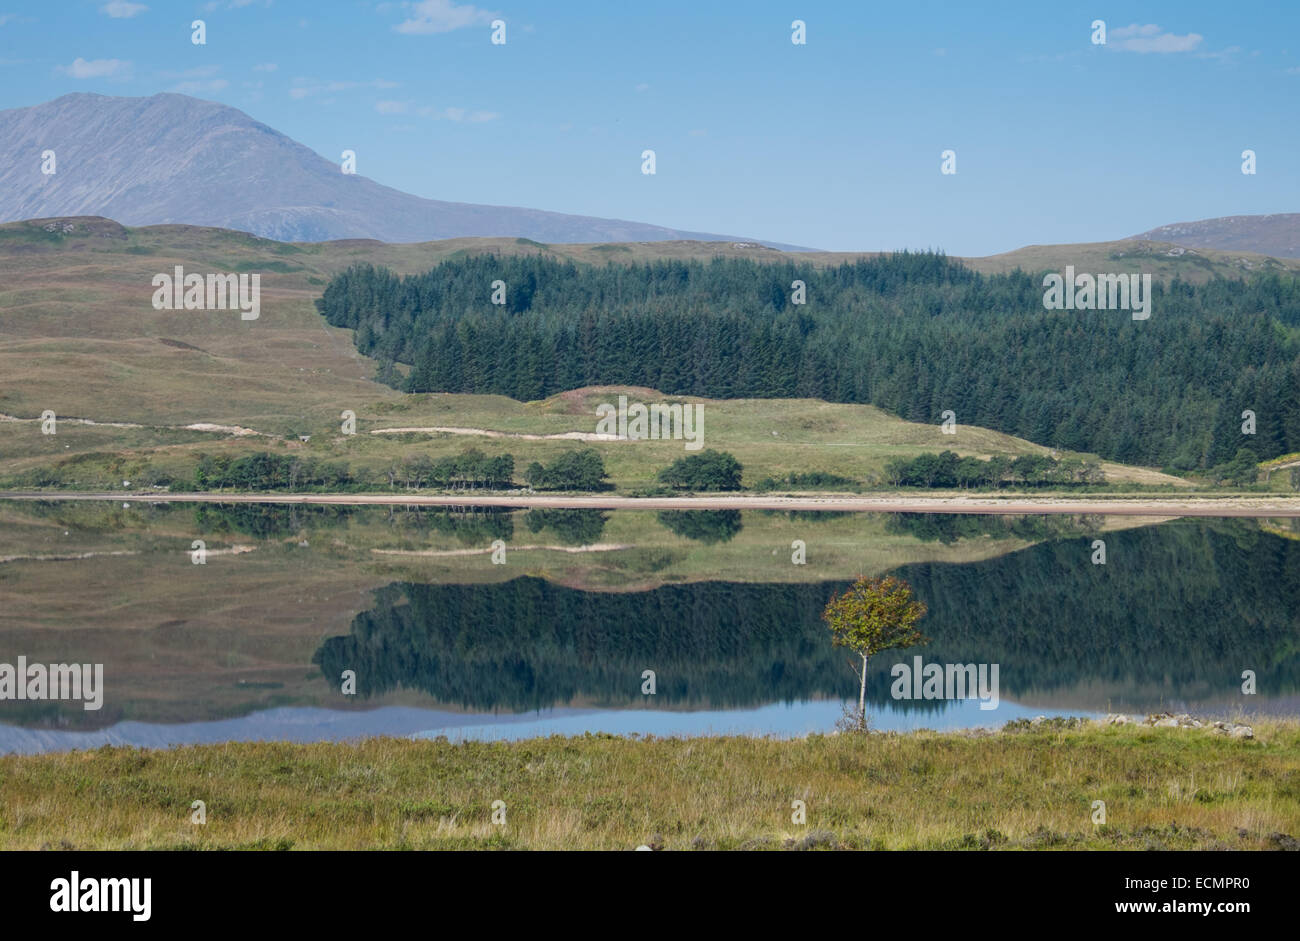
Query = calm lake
x=221 y=623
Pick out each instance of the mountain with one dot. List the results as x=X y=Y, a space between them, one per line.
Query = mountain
x=175 y=159
x=1277 y=235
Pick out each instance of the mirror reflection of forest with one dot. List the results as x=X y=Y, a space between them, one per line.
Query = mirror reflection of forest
x=1175 y=615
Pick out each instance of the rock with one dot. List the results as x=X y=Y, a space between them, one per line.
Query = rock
x=1283 y=841
x=1117 y=719
x=1166 y=722
x=1242 y=731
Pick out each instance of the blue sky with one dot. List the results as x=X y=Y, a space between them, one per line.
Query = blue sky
x=834 y=144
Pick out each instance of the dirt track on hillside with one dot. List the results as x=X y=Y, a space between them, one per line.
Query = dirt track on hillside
x=1276 y=506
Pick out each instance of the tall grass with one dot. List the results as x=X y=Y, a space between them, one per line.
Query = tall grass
x=1030 y=789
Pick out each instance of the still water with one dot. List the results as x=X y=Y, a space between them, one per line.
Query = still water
x=335 y=623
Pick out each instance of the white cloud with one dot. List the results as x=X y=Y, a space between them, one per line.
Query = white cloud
x=196 y=88
x=1224 y=56
x=122 y=9
x=306 y=87
x=200 y=71
x=459 y=115
x=1149 y=38
x=96 y=68
x=265 y=67
x=441 y=16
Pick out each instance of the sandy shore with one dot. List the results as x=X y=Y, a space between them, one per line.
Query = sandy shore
x=1276 y=506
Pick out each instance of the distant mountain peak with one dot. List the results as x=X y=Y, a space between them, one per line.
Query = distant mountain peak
x=171 y=158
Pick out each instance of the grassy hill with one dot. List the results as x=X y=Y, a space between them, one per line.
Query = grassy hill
x=1164 y=260
x=1275 y=234
x=78 y=336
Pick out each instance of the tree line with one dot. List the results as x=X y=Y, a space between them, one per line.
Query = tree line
x=708 y=471
x=266 y=471
x=471 y=469
x=948 y=470
x=572 y=470
x=914 y=333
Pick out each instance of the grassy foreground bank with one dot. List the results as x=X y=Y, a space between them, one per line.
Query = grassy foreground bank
x=1027 y=789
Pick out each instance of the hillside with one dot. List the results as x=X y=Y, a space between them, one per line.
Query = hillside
x=916 y=334
x=75 y=302
x=1277 y=234
x=170 y=158
x=1161 y=258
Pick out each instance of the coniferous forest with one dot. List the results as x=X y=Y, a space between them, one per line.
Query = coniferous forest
x=913 y=333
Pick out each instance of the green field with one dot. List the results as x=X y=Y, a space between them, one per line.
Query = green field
x=79 y=337
x=1023 y=788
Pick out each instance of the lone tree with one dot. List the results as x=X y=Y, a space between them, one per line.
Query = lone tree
x=872 y=616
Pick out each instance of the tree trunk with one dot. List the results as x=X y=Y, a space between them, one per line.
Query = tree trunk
x=862 y=695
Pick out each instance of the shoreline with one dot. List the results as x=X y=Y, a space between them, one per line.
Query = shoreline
x=1119 y=505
